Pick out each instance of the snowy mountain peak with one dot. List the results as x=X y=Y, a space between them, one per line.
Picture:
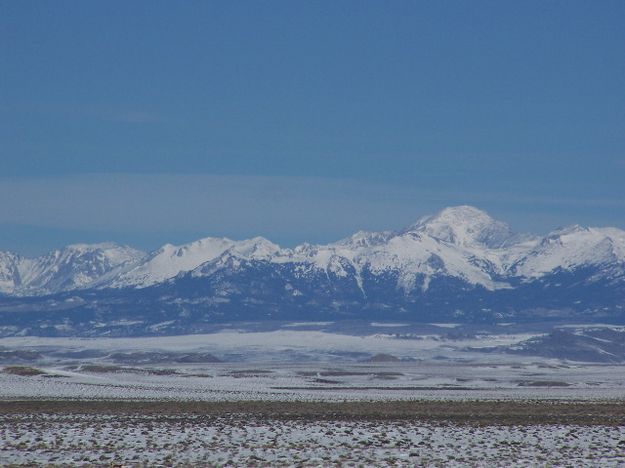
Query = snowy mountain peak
x=573 y=247
x=365 y=239
x=168 y=261
x=9 y=273
x=567 y=230
x=256 y=248
x=110 y=252
x=464 y=226
x=72 y=267
x=171 y=260
x=82 y=247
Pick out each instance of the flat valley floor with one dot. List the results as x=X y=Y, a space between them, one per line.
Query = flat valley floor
x=271 y=433
x=312 y=394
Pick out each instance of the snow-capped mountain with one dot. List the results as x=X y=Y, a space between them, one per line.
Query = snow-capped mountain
x=73 y=267
x=465 y=226
x=170 y=260
x=459 y=264
x=9 y=272
x=460 y=242
x=571 y=248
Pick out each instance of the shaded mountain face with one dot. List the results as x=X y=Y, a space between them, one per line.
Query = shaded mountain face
x=9 y=272
x=459 y=264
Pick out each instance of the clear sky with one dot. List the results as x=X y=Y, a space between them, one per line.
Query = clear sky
x=148 y=122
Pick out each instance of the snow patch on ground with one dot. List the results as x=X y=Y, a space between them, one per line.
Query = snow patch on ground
x=95 y=439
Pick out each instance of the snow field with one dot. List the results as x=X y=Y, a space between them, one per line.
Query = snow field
x=245 y=440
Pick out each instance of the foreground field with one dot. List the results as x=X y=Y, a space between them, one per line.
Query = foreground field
x=311 y=394
x=324 y=434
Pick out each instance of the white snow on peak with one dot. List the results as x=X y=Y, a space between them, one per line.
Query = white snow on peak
x=455 y=242
x=416 y=254
x=72 y=267
x=364 y=239
x=464 y=226
x=113 y=253
x=171 y=260
x=257 y=248
x=9 y=274
x=572 y=247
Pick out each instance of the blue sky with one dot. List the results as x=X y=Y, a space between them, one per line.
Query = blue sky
x=147 y=122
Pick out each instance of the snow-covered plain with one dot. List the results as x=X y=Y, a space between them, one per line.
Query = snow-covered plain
x=292 y=365
x=95 y=439
x=239 y=339
x=301 y=363
x=237 y=382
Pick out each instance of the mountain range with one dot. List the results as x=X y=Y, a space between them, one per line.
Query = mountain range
x=459 y=264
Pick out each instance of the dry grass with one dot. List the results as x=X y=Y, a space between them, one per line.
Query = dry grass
x=466 y=412
x=24 y=371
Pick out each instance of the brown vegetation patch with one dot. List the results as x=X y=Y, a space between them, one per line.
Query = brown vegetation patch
x=104 y=369
x=544 y=383
x=25 y=371
x=469 y=412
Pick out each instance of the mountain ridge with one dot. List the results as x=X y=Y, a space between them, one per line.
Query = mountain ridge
x=461 y=241
x=460 y=266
